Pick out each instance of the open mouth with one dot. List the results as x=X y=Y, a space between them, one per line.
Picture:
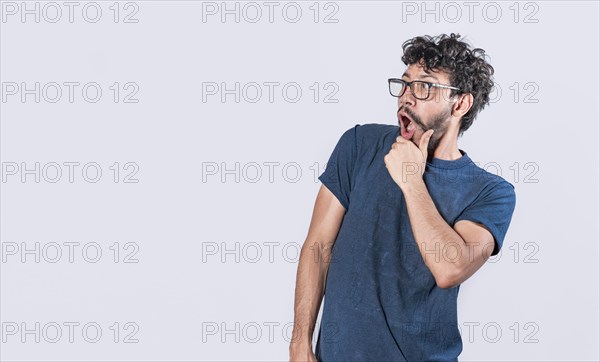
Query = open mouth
x=407 y=126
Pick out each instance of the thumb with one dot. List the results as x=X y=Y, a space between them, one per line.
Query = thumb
x=425 y=142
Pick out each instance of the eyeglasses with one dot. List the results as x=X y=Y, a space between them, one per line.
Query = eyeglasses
x=418 y=88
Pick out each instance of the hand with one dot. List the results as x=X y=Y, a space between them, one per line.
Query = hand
x=406 y=162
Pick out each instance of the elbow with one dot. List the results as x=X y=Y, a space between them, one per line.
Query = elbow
x=447 y=280
x=445 y=283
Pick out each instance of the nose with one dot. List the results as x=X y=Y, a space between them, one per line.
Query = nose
x=407 y=98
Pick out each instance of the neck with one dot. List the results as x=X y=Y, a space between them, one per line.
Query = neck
x=447 y=149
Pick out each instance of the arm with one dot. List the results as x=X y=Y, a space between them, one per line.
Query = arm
x=313 y=264
x=451 y=254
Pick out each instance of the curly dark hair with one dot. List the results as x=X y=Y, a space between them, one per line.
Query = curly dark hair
x=467 y=68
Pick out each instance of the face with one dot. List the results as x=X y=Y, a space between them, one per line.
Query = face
x=415 y=116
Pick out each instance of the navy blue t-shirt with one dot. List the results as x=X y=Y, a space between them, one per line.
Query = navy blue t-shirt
x=381 y=301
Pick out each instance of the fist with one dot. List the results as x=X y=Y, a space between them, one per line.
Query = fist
x=406 y=162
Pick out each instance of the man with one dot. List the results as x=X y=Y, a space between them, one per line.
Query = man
x=402 y=219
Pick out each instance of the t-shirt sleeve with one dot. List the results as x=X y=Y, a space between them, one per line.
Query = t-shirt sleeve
x=339 y=170
x=493 y=208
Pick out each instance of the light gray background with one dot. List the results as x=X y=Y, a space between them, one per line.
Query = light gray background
x=546 y=294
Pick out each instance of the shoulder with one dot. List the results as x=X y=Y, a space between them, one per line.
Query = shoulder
x=369 y=138
x=492 y=183
x=370 y=133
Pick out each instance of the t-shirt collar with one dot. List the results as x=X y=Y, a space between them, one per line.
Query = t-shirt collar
x=461 y=162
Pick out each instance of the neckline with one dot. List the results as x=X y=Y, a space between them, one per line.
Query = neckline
x=461 y=162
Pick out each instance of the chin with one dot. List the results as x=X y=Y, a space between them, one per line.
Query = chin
x=417 y=137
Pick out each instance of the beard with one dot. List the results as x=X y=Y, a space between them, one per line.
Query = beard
x=437 y=123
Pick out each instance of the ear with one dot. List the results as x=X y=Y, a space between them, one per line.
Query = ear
x=462 y=105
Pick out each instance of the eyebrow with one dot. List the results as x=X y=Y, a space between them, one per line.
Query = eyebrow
x=422 y=76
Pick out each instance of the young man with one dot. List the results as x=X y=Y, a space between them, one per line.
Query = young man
x=402 y=219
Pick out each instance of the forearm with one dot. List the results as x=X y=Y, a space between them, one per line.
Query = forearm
x=310 y=284
x=442 y=248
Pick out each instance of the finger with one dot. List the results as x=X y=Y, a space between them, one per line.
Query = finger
x=425 y=142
